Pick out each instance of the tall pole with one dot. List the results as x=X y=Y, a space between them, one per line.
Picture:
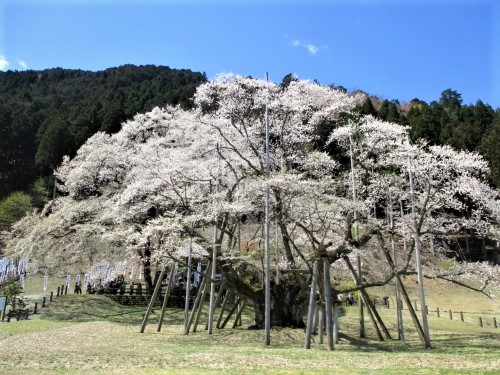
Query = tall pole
x=214 y=255
x=417 y=253
x=267 y=317
x=358 y=259
x=401 y=331
x=188 y=277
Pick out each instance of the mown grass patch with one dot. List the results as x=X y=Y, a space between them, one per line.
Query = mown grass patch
x=93 y=335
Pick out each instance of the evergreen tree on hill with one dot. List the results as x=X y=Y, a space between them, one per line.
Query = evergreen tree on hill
x=50 y=113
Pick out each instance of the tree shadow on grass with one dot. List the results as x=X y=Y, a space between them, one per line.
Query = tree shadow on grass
x=84 y=308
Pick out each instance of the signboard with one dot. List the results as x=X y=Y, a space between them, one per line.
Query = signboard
x=86 y=279
x=3 y=300
x=21 y=279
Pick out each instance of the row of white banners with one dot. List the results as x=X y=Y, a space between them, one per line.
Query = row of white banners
x=99 y=274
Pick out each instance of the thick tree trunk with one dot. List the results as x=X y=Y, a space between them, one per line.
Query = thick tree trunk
x=288 y=306
x=288 y=298
x=146 y=269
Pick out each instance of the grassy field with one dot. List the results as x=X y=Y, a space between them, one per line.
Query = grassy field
x=93 y=335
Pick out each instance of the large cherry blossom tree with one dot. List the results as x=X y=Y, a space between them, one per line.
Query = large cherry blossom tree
x=171 y=175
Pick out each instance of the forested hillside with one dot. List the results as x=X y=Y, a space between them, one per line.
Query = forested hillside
x=47 y=114
x=474 y=127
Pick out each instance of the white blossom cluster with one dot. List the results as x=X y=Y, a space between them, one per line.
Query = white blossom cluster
x=169 y=171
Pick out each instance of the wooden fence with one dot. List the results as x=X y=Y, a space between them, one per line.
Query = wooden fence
x=482 y=319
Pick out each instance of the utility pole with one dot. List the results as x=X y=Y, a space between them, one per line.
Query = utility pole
x=417 y=252
x=267 y=318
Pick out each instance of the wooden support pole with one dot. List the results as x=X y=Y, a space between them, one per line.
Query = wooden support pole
x=371 y=307
x=437 y=311
x=361 y=302
x=375 y=313
x=36 y=308
x=480 y=322
x=328 y=303
x=335 y=323
x=153 y=299
x=57 y=295
x=51 y=296
x=316 y=319
x=231 y=312
x=43 y=301
x=451 y=315
x=312 y=304
x=222 y=308
x=240 y=308
x=374 y=322
x=200 y=306
x=238 y=312
x=5 y=307
x=414 y=317
x=220 y=293
x=461 y=316
x=167 y=294
x=399 y=312
x=187 y=325
x=495 y=322
x=321 y=324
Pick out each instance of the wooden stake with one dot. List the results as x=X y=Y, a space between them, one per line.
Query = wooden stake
x=312 y=303
x=153 y=299
x=200 y=306
x=240 y=308
x=165 y=298
x=328 y=304
x=361 y=302
x=187 y=325
x=413 y=315
x=321 y=323
x=223 y=307
x=231 y=312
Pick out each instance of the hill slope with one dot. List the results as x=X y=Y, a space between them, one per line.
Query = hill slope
x=50 y=113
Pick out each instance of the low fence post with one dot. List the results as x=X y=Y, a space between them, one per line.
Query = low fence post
x=495 y=322
x=51 y=296
x=58 y=288
x=437 y=310
x=461 y=316
x=36 y=308
x=451 y=315
x=480 y=322
x=5 y=307
x=43 y=301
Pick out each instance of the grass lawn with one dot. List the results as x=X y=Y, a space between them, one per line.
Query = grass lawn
x=93 y=335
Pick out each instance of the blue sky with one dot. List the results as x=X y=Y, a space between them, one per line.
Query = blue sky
x=394 y=49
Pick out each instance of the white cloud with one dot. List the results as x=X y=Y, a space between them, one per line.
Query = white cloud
x=3 y=63
x=311 y=48
x=22 y=64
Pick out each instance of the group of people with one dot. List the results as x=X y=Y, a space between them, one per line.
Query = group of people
x=115 y=286
x=349 y=300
